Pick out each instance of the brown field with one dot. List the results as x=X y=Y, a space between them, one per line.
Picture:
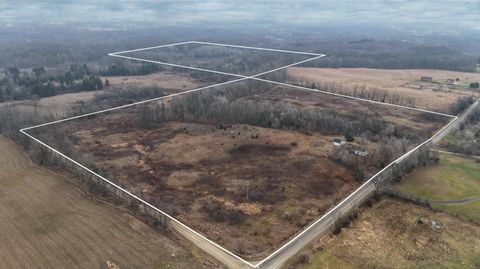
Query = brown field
x=433 y=96
x=407 y=120
x=55 y=105
x=395 y=234
x=247 y=187
x=247 y=182
x=61 y=104
x=47 y=222
x=166 y=80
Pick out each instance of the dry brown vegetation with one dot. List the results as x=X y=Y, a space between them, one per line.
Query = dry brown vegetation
x=405 y=83
x=47 y=222
x=395 y=234
x=166 y=80
x=247 y=181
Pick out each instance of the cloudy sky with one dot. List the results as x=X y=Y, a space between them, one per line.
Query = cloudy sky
x=444 y=13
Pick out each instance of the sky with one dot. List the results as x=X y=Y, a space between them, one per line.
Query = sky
x=434 y=13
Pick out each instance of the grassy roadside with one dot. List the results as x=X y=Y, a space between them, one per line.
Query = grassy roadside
x=453 y=178
x=389 y=235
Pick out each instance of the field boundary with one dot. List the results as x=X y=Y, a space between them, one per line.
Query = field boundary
x=239 y=78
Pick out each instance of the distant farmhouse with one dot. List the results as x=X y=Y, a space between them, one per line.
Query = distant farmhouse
x=426 y=79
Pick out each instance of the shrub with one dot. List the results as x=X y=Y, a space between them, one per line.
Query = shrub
x=349 y=136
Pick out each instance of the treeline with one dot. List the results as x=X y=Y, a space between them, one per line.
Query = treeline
x=20 y=85
x=233 y=104
x=360 y=91
x=461 y=104
x=391 y=54
x=122 y=69
x=467 y=137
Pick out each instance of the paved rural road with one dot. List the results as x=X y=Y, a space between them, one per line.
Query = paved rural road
x=217 y=253
x=324 y=225
x=320 y=227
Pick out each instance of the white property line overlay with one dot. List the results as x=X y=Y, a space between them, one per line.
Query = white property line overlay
x=23 y=131
x=241 y=78
x=353 y=193
x=136 y=197
x=255 y=77
x=218 y=44
x=172 y=95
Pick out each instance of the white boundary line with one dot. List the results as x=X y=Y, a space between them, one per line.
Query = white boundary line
x=241 y=78
x=255 y=77
x=174 y=94
x=138 y=198
x=356 y=98
x=149 y=48
x=217 y=44
x=345 y=200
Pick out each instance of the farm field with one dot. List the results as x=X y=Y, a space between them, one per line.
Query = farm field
x=237 y=179
x=173 y=81
x=131 y=87
x=47 y=222
x=454 y=178
x=393 y=234
x=436 y=95
x=223 y=182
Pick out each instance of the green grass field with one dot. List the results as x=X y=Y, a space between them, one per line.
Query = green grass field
x=452 y=179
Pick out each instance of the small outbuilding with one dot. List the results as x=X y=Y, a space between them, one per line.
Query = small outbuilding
x=360 y=152
x=452 y=81
x=338 y=142
x=426 y=79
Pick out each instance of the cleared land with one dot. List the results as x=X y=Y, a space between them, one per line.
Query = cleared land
x=454 y=178
x=59 y=106
x=250 y=188
x=394 y=234
x=49 y=223
x=436 y=95
x=166 y=80
x=243 y=181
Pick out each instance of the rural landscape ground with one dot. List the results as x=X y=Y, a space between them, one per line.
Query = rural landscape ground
x=299 y=150
x=248 y=187
x=55 y=224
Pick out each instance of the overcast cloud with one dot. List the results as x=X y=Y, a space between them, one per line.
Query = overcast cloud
x=442 y=13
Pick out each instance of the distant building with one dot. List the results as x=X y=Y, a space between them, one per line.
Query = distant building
x=426 y=79
x=452 y=81
x=360 y=152
x=338 y=142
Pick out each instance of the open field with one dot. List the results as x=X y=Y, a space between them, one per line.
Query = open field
x=60 y=106
x=174 y=82
x=395 y=234
x=49 y=223
x=239 y=182
x=246 y=182
x=435 y=96
x=454 y=178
